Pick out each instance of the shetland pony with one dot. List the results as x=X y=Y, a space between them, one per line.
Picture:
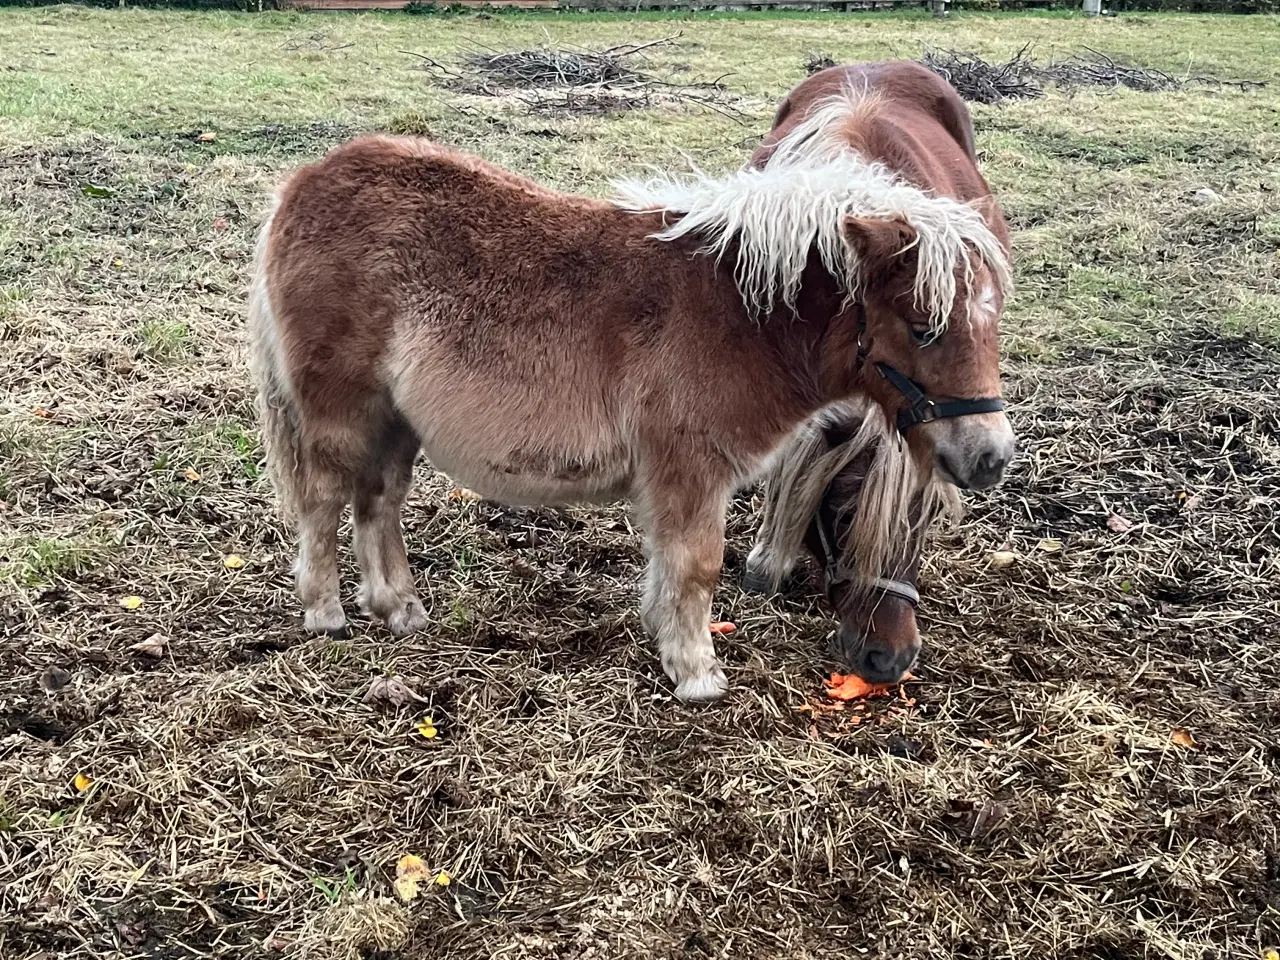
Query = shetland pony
x=843 y=487
x=546 y=348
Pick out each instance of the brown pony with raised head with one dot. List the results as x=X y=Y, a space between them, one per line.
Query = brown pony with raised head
x=843 y=488
x=547 y=348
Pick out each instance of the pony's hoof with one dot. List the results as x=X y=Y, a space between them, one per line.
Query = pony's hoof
x=711 y=685
x=756 y=581
x=327 y=618
x=410 y=618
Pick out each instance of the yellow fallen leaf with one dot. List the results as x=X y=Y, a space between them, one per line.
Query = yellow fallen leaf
x=233 y=562
x=427 y=728
x=191 y=475
x=117 y=263
x=410 y=867
x=131 y=603
x=443 y=879
x=463 y=494
x=1003 y=558
x=410 y=871
x=1271 y=954
x=1183 y=738
x=81 y=782
x=1050 y=545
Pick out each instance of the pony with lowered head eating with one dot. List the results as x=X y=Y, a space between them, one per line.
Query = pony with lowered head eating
x=545 y=348
x=844 y=487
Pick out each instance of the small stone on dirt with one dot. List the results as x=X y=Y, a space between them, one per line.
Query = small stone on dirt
x=54 y=678
x=392 y=690
x=1119 y=524
x=973 y=820
x=154 y=646
x=904 y=749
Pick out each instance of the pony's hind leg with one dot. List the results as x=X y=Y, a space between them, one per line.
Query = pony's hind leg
x=686 y=551
x=386 y=590
x=317 y=567
x=320 y=492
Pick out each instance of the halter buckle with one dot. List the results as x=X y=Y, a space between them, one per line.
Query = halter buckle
x=927 y=412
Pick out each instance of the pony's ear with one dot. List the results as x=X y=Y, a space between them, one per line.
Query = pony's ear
x=881 y=245
x=986 y=205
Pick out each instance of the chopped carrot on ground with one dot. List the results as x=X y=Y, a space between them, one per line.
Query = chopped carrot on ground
x=850 y=686
x=722 y=627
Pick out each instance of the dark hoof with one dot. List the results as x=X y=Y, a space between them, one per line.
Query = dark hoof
x=342 y=633
x=753 y=581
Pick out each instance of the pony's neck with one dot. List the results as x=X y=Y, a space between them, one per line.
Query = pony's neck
x=829 y=333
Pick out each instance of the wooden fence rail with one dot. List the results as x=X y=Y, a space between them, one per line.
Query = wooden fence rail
x=939 y=7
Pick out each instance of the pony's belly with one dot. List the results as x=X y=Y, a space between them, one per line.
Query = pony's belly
x=557 y=440
x=519 y=477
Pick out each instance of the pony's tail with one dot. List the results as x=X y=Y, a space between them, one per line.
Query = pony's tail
x=278 y=413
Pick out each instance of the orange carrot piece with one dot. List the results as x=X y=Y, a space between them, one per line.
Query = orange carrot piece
x=850 y=686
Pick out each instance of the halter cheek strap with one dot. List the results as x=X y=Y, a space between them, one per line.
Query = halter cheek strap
x=834 y=572
x=920 y=409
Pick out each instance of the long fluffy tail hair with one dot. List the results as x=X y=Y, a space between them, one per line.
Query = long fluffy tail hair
x=277 y=408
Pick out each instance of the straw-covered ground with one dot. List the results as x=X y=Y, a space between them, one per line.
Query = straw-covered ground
x=1086 y=767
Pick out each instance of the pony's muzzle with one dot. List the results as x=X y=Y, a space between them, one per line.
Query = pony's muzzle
x=972 y=452
x=877 y=660
x=883 y=646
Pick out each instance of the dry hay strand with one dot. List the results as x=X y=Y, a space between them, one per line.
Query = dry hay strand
x=983 y=81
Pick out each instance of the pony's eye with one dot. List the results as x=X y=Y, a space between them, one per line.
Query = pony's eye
x=922 y=335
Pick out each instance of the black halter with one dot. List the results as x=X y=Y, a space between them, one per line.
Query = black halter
x=836 y=573
x=920 y=409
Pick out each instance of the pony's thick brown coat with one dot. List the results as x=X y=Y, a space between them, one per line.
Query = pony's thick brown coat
x=541 y=348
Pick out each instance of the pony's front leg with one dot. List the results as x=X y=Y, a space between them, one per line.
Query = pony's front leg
x=686 y=550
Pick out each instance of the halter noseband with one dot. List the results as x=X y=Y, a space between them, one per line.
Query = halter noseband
x=834 y=572
x=920 y=409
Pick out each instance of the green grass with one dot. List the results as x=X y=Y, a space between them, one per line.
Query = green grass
x=164 y=340
x=42 y=560
x=235 y=440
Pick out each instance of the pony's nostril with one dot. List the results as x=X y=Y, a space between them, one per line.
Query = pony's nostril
x=878 y=665
x=989 y=467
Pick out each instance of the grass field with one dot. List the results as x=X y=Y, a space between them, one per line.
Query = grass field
x=1112 y=699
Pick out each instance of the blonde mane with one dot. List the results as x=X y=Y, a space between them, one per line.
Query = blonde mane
x=882 y=533
x=798 y=202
